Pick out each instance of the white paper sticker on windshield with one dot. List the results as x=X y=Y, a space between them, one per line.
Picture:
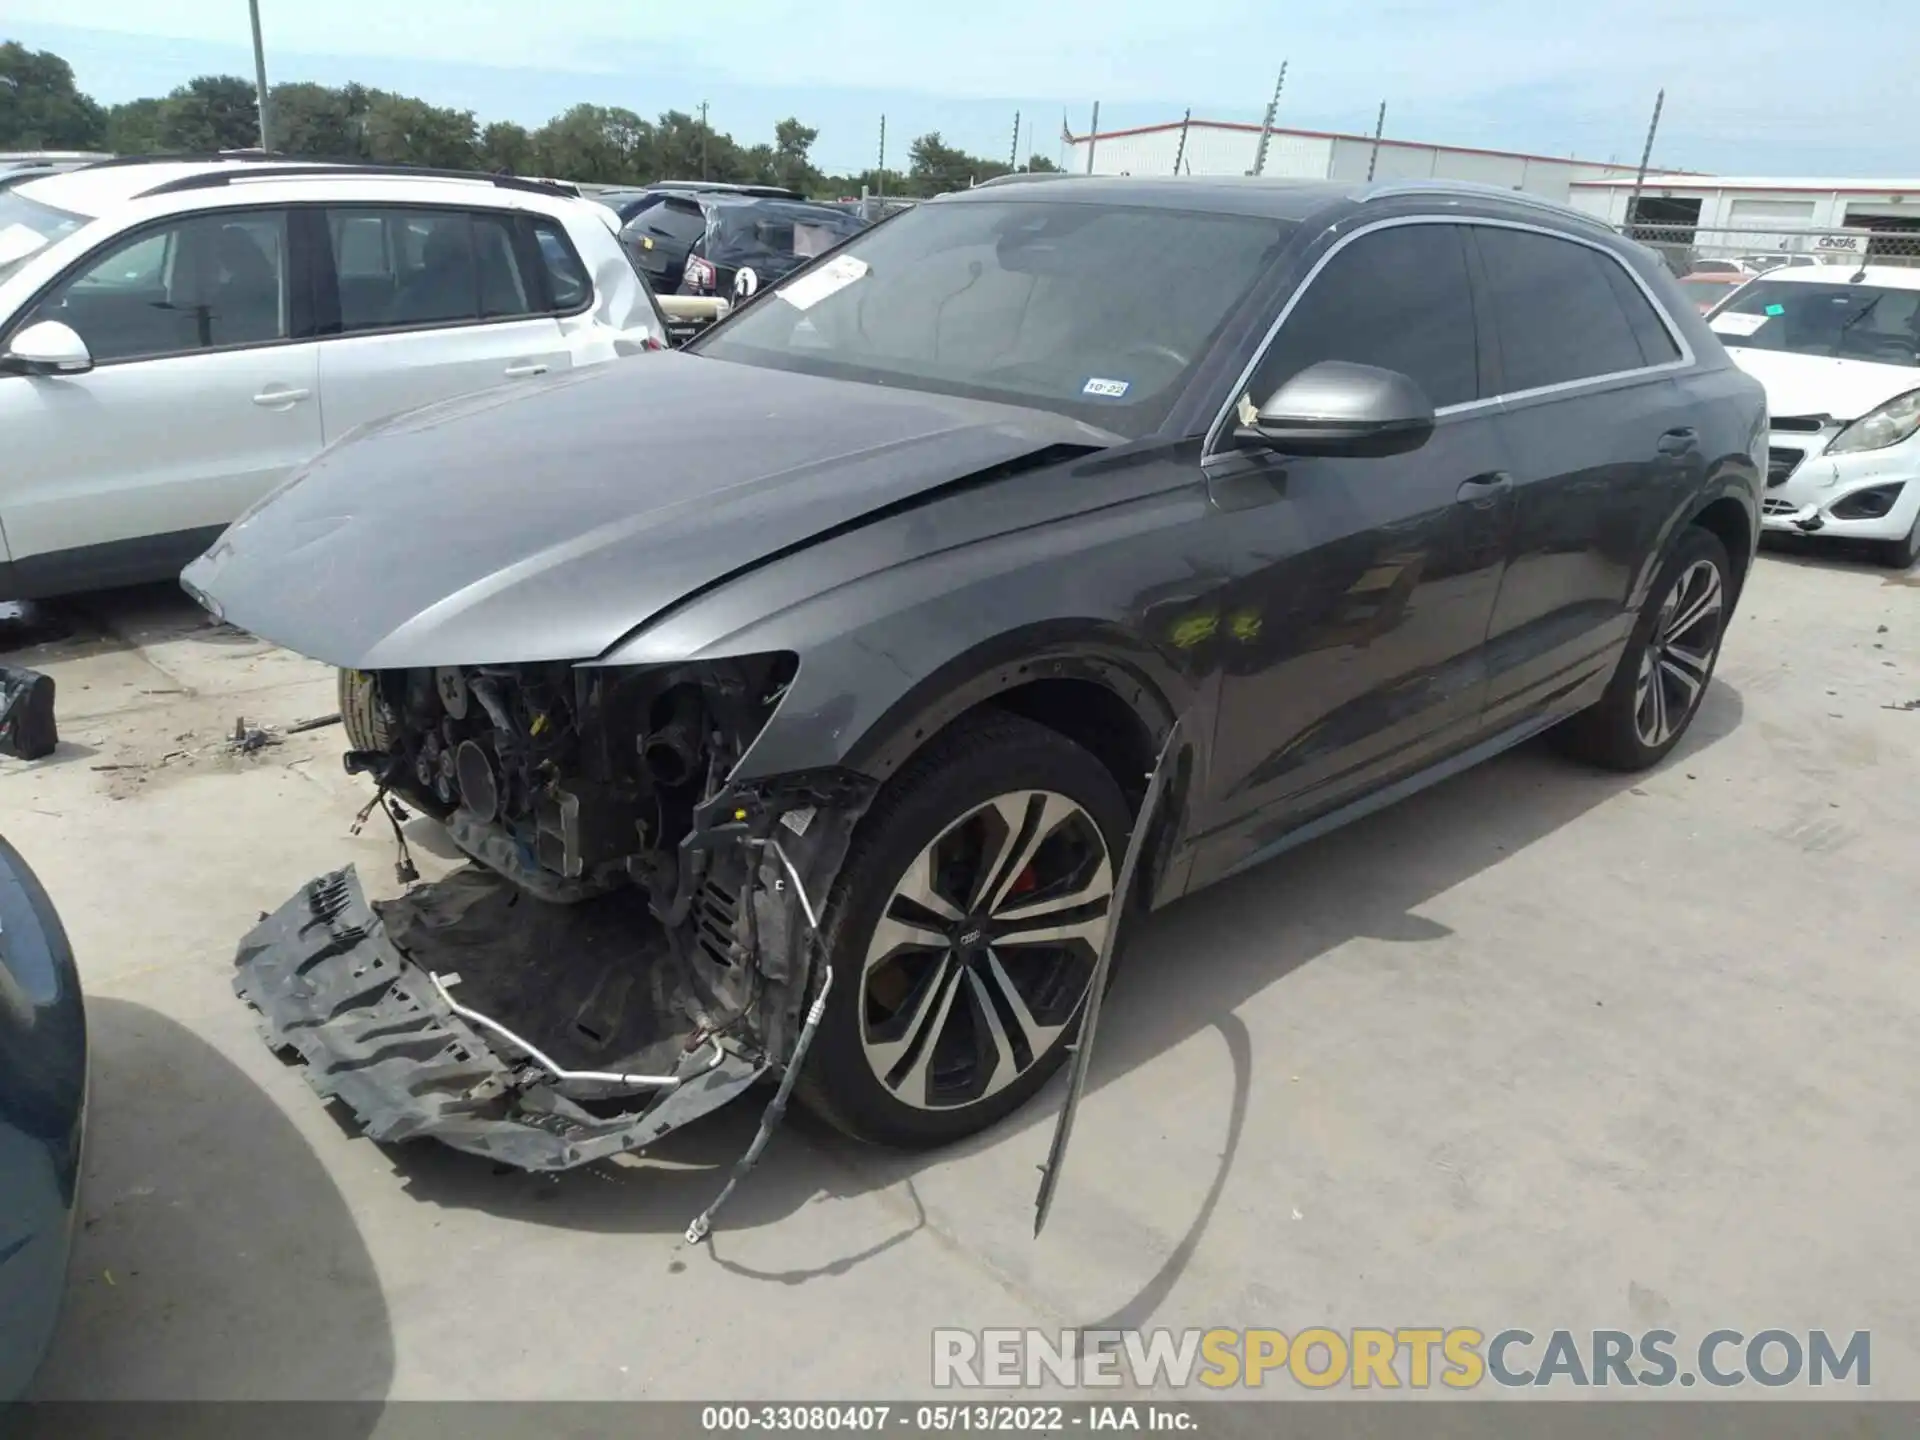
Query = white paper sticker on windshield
x=816 y=285
x=19 y=240
x=1112 y=389
x=1734 y=322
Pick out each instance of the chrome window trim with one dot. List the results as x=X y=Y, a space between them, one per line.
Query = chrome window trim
x=1685 y=360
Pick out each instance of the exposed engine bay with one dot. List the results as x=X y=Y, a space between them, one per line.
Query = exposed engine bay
x=628 y=949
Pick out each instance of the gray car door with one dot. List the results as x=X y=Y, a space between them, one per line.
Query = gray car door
x=1603 y=453
x=1350 y=637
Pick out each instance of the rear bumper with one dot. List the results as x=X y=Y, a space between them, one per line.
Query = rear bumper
x=363 y=1010
x=1818 y=485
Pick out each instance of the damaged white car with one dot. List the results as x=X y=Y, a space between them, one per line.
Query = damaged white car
x=1838 y=348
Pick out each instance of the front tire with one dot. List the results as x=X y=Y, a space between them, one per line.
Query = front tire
x=1900 y=554
x=1657 y=688
x=963 y=933
x=365 y=717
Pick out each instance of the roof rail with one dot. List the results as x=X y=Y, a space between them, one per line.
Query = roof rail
x=1473 y=189
x=212 y=179
x=1020 y=176
x=190 y=157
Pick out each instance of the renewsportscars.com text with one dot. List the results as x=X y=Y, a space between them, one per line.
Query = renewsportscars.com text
x=1363 y=1358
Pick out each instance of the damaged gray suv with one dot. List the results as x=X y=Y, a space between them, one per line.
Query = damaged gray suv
x=819 y=671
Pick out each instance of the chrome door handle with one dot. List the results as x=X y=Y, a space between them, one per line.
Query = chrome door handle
x=281 y=396
x=531 y=367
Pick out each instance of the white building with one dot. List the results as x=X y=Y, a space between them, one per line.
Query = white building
x=1729 y=213
x=1225 y=147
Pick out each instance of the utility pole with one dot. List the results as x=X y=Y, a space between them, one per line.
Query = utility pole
x=882 y=174
x=1379 y=125
x=1013 y=160
x=703 y=139
x=260 y=78
x=1646 y=154
x=1181 y=153
x=1093 y=136
x=1266 y=125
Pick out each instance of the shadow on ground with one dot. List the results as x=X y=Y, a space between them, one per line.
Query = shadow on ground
x=216 y=1259
x=106 y=623
x=1188 y=970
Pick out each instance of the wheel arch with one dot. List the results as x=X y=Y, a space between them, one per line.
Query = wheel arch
x=1727 y=519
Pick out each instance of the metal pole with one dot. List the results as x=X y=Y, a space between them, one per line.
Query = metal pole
x=1013 y=156
x=703 y=139
x=1266 y=125
x=260 y=77
x=1646 y=154
x=882 y=175
x=1093 y=136
x=1181 y=153
x=1378 y=125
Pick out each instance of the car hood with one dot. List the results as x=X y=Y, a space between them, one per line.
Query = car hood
x=546 y=522
x=1815 y=385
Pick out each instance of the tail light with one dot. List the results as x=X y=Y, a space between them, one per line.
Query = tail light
x=701 y=273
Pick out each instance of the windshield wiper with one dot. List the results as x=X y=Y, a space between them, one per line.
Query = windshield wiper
x=1864 y=312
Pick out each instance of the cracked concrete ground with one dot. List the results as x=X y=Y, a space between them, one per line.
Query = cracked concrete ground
x=1540 y=1047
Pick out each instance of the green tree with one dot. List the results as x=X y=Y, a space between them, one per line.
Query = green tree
x=600 y=144
x=506 y=146
x=401 y=130
x=320 y=120
x=209 y=113
x=936 y=167
x=1041 y=165
x=134 y=128
x=791 y=165
x=40 y=109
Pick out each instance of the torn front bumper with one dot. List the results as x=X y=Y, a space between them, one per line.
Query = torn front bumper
x=350 y=988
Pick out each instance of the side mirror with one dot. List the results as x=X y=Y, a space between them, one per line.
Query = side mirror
x=1343 y=409
x=47 y=348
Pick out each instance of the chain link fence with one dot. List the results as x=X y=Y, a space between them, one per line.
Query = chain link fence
x=1752 y=250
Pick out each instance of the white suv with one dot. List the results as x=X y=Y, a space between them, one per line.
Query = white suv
x=176 y=338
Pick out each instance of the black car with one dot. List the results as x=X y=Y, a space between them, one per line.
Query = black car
x=814 y=675
x=661 y=224
x=43 y=1106
x=747 y=242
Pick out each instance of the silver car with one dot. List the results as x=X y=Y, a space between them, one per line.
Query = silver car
x=176 y=339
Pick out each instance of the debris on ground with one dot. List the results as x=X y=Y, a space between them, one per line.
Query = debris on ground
x=27 y=729
x=248 y=738
x=318 y=722
x=1903 y=705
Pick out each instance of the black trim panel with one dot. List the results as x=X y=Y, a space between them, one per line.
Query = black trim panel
x=139 y=561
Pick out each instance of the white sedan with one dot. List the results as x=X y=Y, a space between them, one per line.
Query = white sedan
x=1838 y=348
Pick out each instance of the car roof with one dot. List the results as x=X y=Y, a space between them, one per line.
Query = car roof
x=100 y=189
x=1257 y=195
x=1889 y=277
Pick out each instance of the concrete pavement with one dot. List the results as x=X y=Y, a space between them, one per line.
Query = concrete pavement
x=1540 y=1047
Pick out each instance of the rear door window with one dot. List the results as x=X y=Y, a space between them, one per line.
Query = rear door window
x=1557 y=312
x=1397 y=298
x=405 y=268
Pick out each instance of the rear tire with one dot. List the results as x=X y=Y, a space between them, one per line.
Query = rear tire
x=1662 y=677
x=989 y=860
x=362 y=713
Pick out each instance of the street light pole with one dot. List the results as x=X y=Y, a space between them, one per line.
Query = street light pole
x=260 y=78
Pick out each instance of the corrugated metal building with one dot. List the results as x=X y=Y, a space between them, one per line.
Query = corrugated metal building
x=1786 y=207
x=1227 y=147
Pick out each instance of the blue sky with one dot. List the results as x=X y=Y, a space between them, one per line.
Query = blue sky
x=1753 y=86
